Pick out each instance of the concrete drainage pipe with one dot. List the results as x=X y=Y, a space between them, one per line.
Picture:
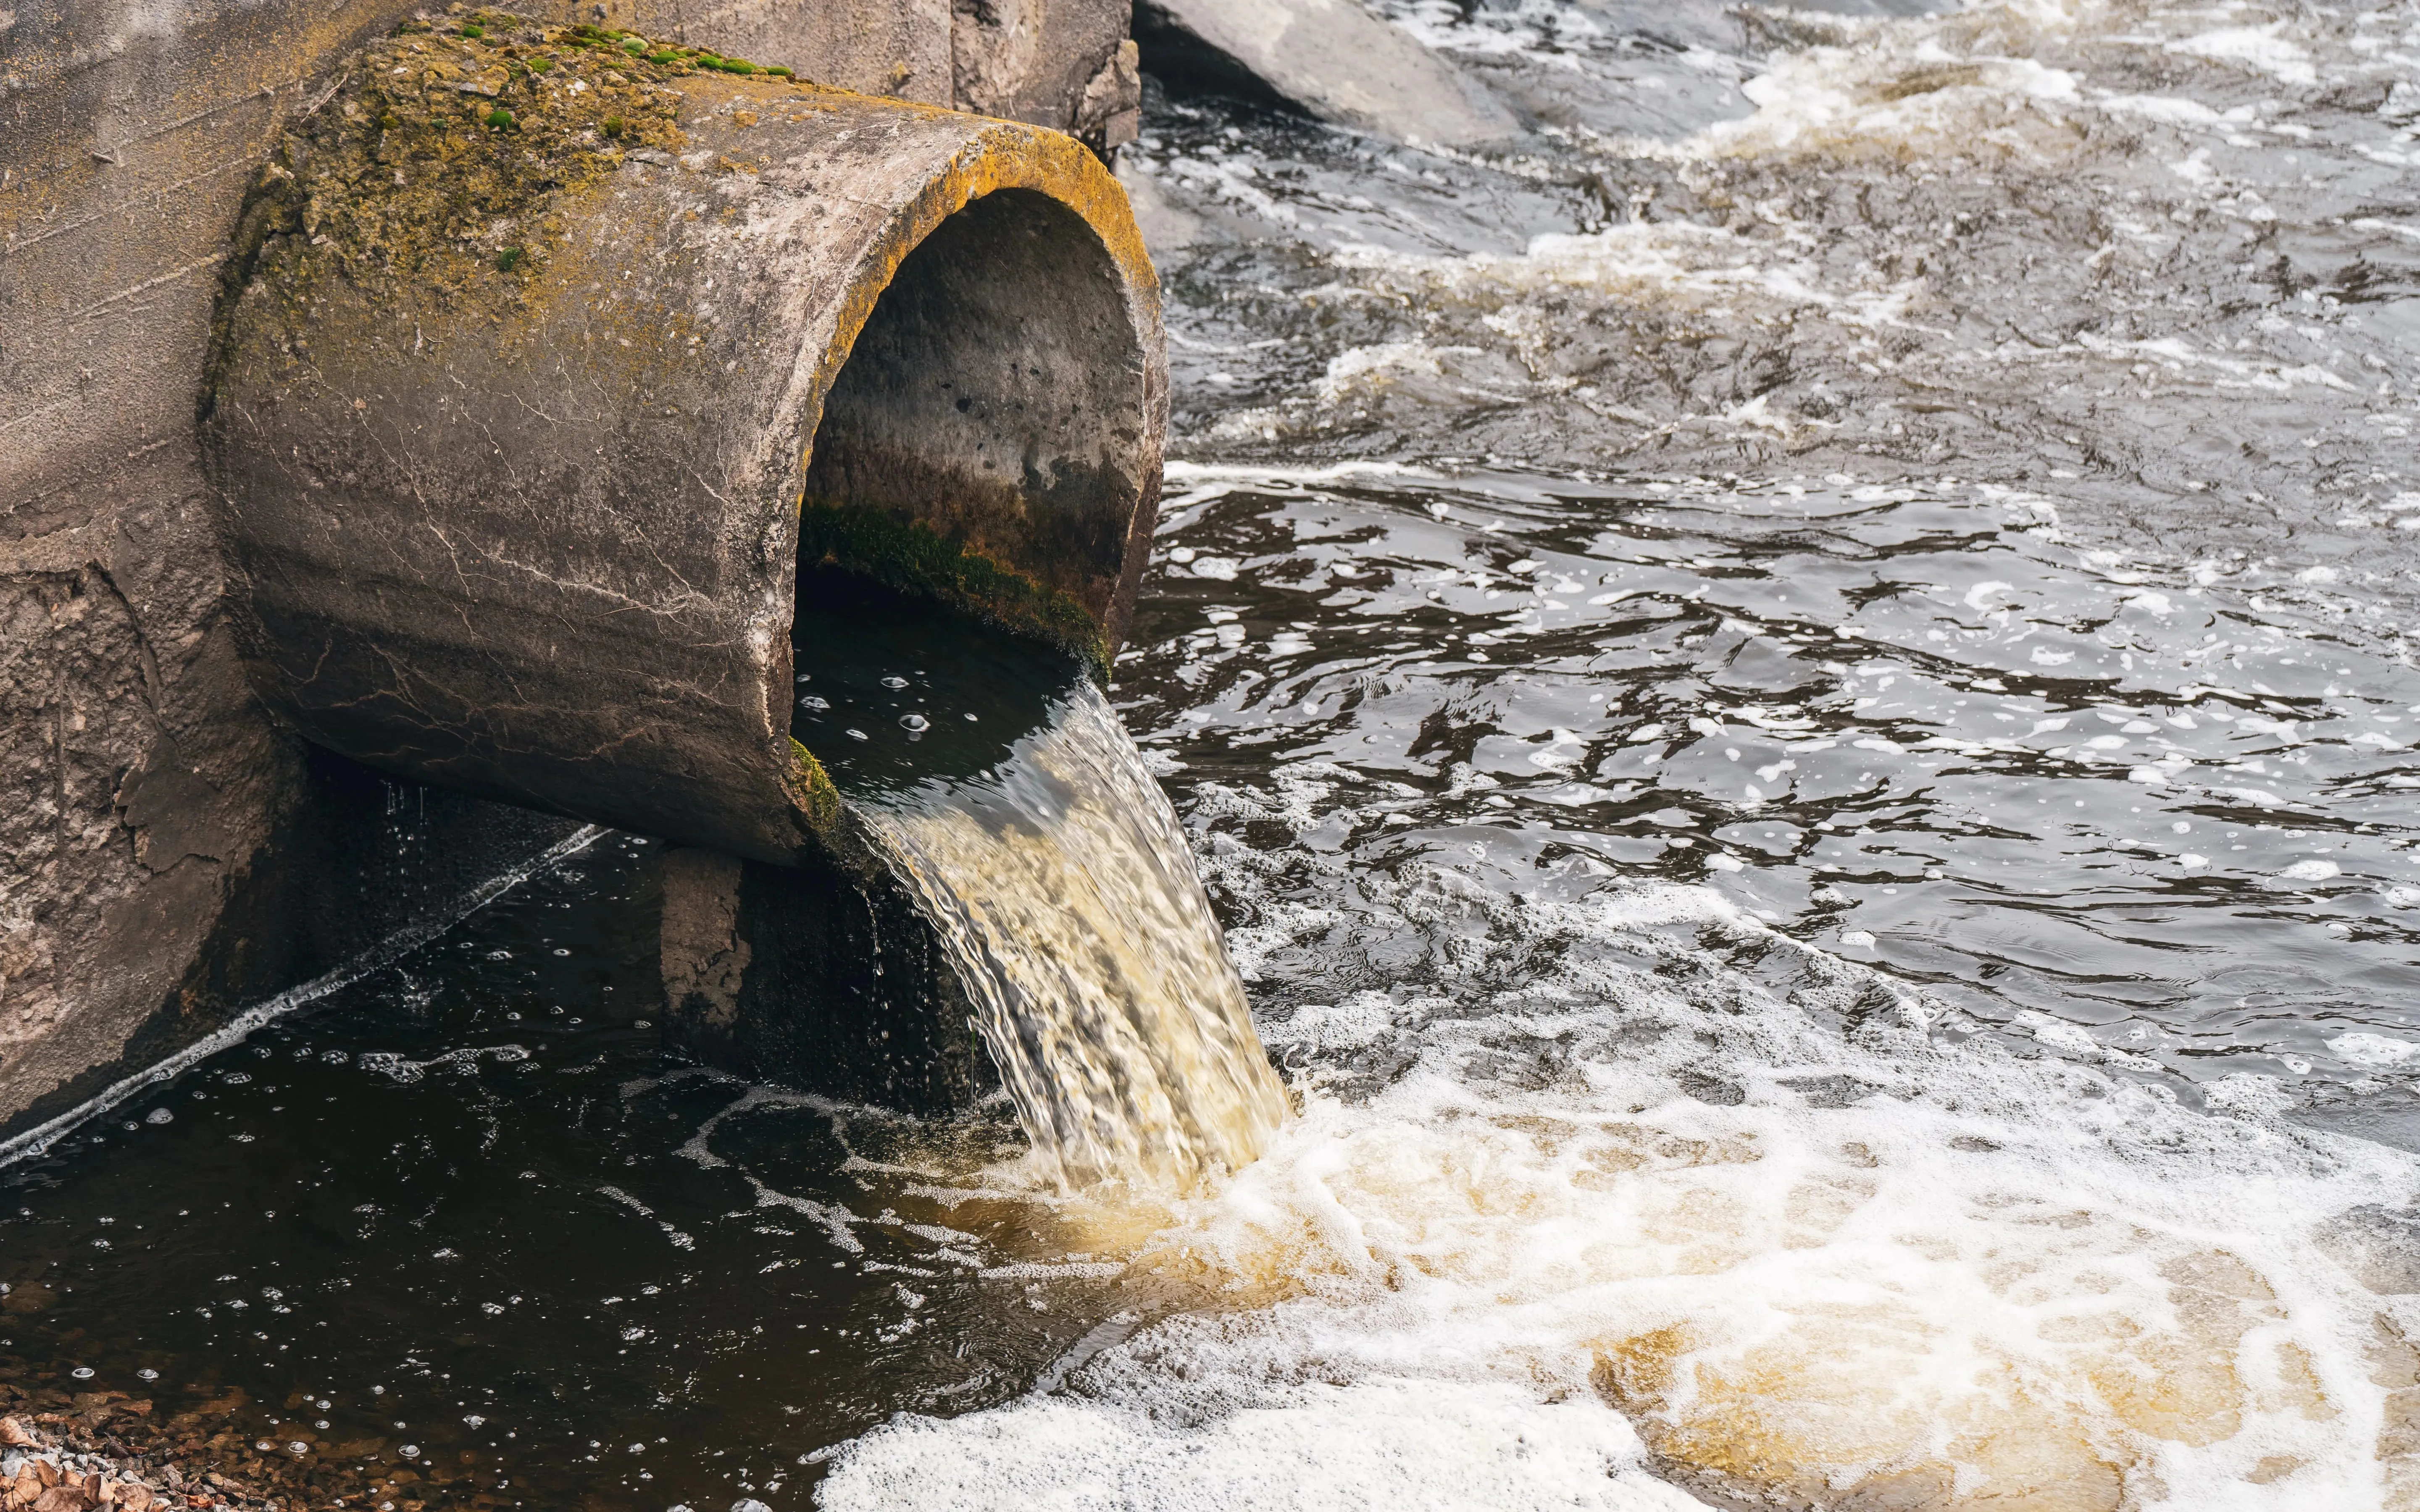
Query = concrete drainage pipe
x=527 y=377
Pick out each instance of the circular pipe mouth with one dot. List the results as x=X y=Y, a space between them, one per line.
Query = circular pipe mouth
x=982 y=443
x=532 y=522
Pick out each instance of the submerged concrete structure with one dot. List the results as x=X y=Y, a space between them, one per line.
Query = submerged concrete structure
x=155 y=729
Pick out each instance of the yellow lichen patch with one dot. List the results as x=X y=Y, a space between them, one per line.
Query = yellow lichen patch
x=811 y=788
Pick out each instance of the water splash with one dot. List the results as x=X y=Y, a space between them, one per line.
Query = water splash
x=1062 y=880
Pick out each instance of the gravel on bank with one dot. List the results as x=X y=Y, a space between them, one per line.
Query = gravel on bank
x=50 y=1462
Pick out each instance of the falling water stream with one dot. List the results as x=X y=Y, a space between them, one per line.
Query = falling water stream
x=1796 y=695
x=1009 y=800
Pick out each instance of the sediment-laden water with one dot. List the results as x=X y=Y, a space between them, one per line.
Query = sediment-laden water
x=1005 y=795
x=1797 y=701
x=1065 y=889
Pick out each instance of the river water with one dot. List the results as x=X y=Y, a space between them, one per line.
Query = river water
x=1797 y=698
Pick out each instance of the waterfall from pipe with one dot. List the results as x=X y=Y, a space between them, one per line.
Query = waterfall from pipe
x=1061 y=881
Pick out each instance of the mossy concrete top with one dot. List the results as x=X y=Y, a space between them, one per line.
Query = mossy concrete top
x=539 y=339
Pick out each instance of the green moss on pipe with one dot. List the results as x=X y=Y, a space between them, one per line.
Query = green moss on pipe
x=911 y=557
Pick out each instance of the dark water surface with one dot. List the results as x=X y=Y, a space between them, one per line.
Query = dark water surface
x=1799 y=699
x=471 y=1206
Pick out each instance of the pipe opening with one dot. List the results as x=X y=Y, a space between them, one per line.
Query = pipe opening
x=983 y=443
x=892 y=692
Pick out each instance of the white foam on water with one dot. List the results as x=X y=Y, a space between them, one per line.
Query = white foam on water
x=1370 y=1444
x=1827 y=1266
x=2259 y=47
x=1903 y=88
x=2373 y=1050
x=1959 y=86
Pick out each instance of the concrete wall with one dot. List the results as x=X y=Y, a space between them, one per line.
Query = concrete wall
x=144 y=795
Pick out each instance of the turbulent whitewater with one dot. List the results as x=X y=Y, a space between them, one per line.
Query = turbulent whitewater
x=1825 y=812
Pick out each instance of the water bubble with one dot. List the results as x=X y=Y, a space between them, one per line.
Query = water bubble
x=857 y=735
x=412 y=1451
x=82 y=1372
x=914 y=722
x=895 y=684
x=147 y=1375
x=815 y=703
x=474 y=1420
x=971 y=719
x=298 y=1446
